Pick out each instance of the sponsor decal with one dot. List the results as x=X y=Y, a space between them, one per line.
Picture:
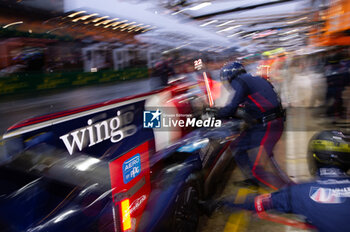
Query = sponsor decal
x=155 y=119
x=114 y=129
x=329 y=195
x=198 y=64
x=131 y=168
x=152 y=119
x=332 y=181
x=137 y=203
x=331 y=172
x=191 y=122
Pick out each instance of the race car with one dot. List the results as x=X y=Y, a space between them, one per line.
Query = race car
x=101 y=167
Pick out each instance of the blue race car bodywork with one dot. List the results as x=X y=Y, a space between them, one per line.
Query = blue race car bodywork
x=96 y=168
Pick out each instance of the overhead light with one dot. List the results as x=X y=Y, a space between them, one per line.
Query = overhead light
x=200 y=6
x=225 y=23
x=58 y=28
x=119 y=26
x=289 y=32
x=11 y=24
x=148 y=29
x=115 y=24
x=102 y=22
x=264 y=34
x=295 y=21
x=76 y=13
x=124 y=26
x=84 y=17
x=132 y=27
x=106 y=21
x=112 y=24
x=229 y=28
x=235 y=34
x=289 y=37
x=177 y=12
x=142 y=27
x=207 y=23
x=248 y=35
x=197 y=7
x=203 y=49
x=181 y=46
x=127 y=24
x=135 y=27
x=88 y=16
x=100 y=18
x=115 y=19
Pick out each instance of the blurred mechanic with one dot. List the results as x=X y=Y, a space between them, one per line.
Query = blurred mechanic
x=324 y=202
x=163 y=70
x=263 y=108
x=336 y=73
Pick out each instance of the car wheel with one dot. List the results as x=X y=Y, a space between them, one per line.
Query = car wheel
x=186 y=212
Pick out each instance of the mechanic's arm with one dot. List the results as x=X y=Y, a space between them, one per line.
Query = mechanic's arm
x=239 y=96
x=280 y=201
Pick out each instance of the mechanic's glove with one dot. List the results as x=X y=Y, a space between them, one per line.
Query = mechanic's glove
x=209 y=113
x=211 y=110
x=240 y=113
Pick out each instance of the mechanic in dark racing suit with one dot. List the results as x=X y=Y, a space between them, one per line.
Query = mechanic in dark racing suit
x=255 y=144
x=324 y=202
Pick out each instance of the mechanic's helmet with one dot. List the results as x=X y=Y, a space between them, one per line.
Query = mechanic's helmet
x=231 y=70
x=329 y=149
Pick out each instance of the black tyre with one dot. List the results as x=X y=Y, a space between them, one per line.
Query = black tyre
x=186 y=213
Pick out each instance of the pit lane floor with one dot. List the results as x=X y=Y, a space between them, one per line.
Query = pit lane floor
x=290 y=153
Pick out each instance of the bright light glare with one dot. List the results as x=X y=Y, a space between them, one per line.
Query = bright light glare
x=229 y=28
x=200 y=6
x=207 y=23
x=76 y=13
x=63 y=216
x=229 y=36
x=83 y=166
x=289 y=32
x=11 y=24
x=225 y=23
x=100 y=18
x=85 y=17
x=177 y=12
x=200 y=142
x=297 y=20
x=248 y=35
